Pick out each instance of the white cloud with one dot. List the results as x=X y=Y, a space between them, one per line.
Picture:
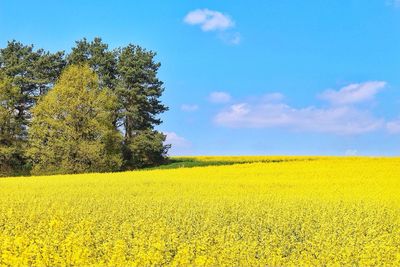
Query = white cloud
x=209 y=20
x=176 y=141
x=337 y=120
x=351 y=152
x=393 y=127
x=189 y=108
x=235 y=38
x=231 y=38
x=353 y=93
x=179 y=145
x=269 y=111
x=219 y=97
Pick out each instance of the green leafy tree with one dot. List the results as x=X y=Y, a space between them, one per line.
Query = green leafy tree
x=11 y=149
x=26 y=75
x=72 y=130
x=101 y=60
x=146 y=149
x=139 y=90
x=131 y=72
x=33 y=72
x=128 y=76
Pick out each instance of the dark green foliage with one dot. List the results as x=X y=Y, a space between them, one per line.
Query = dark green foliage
x=11 y=130
x=139 y=89
x=25 y=75
x=131 y=73
x=32 y=72
x=98 y=57
x=127 y=75
x=145 y=149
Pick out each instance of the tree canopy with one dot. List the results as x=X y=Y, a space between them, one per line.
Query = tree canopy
x=11 y=130
x=25 y=75
x=100 y=116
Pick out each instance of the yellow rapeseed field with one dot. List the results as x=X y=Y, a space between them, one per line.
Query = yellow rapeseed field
x=300 y=211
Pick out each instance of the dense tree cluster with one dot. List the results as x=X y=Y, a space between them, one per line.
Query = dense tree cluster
x=93 y=109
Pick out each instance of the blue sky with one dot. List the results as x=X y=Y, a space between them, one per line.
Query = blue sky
x=249 y=77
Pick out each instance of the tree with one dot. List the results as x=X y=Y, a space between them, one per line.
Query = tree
x=139 y=90
x=33 y=72
x=72 y=128
x=98 y=57
x=26 y=75
x=101 y=60
x=126 y=81
x=11 y=150
x=131 y=73
x=145 y=149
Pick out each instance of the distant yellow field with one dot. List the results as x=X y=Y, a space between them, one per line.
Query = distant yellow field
x=300 y=211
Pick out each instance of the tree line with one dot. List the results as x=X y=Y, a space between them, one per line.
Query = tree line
x=94 y=109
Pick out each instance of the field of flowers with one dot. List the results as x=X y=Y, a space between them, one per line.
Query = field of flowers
x=287 y=211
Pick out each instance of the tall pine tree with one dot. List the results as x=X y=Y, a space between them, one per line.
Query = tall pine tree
x=26 y=75
x=97 y=55
x=139 y=91
x=11 y=130
x=131 y=72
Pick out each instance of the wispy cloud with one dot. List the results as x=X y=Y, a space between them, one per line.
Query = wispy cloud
x=175 y=140
x=219 y=97
x=212 y=20
x=351 y=152
x=180 y=145
x=394 y=3
x=337 y=120
x=340 y=117
x=189 y=108
x=209 y=20
x=232 y=38
x=353 y=93
x=393 y=127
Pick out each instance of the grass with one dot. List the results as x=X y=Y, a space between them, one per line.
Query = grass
x=204 y=161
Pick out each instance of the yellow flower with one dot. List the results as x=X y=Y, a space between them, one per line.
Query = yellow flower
x=265 y=211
